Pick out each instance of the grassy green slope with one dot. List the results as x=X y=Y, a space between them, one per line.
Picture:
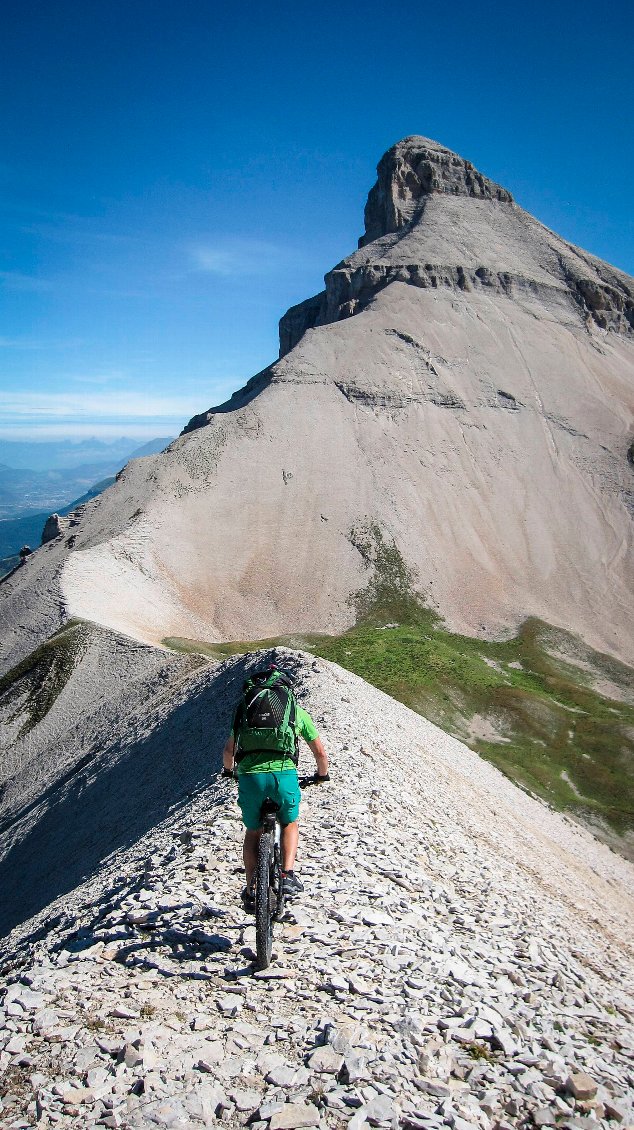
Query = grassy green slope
x=531 y=714
x=40 y=678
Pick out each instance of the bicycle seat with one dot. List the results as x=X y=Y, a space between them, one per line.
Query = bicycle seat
x=269 y=807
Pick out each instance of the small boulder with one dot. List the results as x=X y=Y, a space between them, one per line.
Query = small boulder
x=131 y=1056
x=325 y=1060
x=291 y=1116
x=245 y=1099
x=581 y=1086
x=380 y=1110
x=544 y=1116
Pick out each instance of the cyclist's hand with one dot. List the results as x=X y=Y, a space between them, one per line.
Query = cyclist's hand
x=227 y=773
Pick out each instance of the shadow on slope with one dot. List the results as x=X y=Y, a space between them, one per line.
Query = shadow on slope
x=109 y=804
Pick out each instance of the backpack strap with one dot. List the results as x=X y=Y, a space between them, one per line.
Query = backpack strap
x=238 y=719
x=292 y=719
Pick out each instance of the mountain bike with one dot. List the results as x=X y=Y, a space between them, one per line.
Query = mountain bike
x=269 y=880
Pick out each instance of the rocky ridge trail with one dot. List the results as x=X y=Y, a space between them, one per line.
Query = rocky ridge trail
x=459 y=958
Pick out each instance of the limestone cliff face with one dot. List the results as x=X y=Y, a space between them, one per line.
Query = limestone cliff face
x=465 y=384
x=432 y=220
x=410 y=172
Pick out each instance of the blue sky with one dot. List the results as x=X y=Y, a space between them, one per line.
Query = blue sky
x=174 y=176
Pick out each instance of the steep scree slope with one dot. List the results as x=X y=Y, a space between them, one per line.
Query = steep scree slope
x=460 y=956
x=465 y=384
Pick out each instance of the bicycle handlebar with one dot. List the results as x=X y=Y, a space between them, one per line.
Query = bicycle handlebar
x=314 y=779
x=304 y=782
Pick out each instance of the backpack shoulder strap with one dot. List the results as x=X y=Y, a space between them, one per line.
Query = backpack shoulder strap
x=292 y=718
x=238 y=722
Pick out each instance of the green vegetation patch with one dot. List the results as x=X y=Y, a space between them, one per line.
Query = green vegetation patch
x=530 y=704
x=390 y=595
x=514 y=703
x=220 y=651
x=33 y=686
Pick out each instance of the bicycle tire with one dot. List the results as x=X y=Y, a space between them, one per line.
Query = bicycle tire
x=279 y=884
x=264 y=901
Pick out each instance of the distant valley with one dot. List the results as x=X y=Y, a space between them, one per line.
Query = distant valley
x=25 y=491
x=37 y=479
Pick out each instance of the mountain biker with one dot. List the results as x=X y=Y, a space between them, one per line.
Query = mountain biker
x=271 y=773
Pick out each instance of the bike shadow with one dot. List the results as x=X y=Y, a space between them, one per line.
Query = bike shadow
x=174 y=943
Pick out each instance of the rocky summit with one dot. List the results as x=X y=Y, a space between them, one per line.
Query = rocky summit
x=462 y=389
x=460 y=957
x=430 y=204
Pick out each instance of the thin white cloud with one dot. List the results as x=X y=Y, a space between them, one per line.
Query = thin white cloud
x=94 y=430
x=238 y=257
x=72 y=229
x=37 y=344
x=75 y=406
x=99 y=379
x=29 y=414
x=20 y=343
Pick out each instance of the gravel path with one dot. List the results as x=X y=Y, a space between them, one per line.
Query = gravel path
x=459 y=958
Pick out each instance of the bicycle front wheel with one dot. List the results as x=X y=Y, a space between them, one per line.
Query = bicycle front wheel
x=265 y=900
x=278 y=884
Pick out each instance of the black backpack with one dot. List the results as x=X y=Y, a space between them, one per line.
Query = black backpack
x=265 y=716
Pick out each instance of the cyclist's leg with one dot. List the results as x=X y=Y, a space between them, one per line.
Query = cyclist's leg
x=250 y=852
x=289 y=797
x=290 y=838
x=251 y=793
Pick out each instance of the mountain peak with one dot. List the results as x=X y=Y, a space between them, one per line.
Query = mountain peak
x=411 y=171
x=433 y=221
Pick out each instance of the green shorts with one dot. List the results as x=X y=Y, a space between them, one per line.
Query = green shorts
x=254 y=788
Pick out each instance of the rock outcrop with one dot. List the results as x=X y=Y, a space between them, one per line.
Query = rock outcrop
x=408 y=173
x=54 y=527
x=432 y=220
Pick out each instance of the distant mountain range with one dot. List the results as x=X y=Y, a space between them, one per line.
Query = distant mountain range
x=67 y=475
x=57 y=455
x=29 y=494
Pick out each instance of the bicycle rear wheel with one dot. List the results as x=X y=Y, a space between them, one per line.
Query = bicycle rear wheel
x=265 y=900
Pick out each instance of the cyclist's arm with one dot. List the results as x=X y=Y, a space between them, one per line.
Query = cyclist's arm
x=227 y=753
x=320 y=755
